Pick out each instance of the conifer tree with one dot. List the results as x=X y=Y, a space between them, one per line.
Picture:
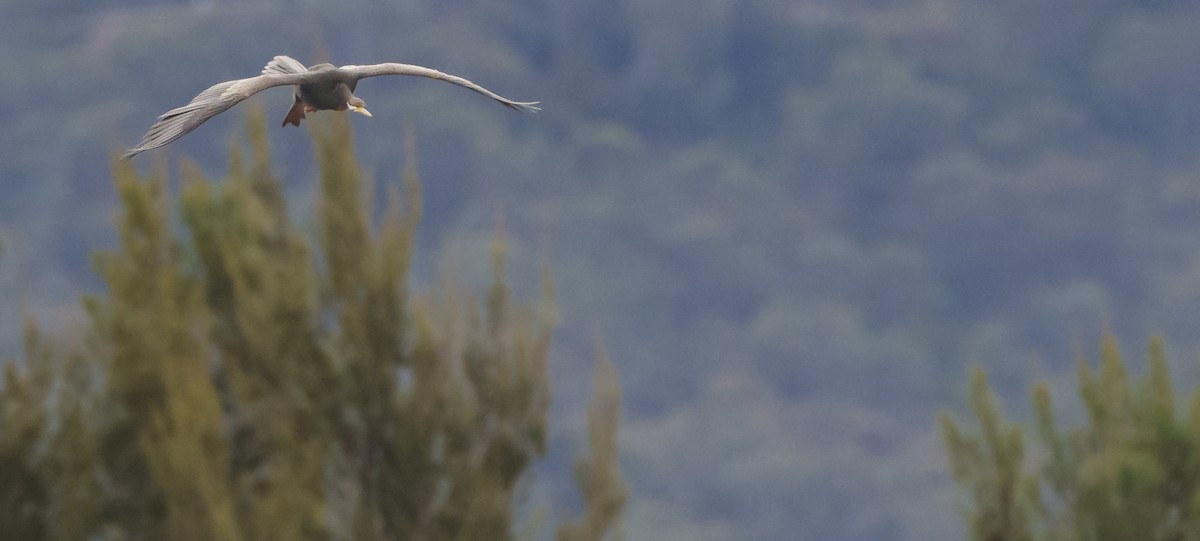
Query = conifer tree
x=275 y=375
x=23 y=488
x=1131 y=471
x=597 y=473
x=990 y=467
x=150 y=328
x=238 y=383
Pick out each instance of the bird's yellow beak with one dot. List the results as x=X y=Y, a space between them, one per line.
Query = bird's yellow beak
x=360 y=110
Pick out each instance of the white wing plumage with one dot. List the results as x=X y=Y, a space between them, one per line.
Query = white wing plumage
x=374 y=70
x=282 y=71
x=177 y=122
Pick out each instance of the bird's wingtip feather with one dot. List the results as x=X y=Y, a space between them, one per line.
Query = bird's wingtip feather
x=526 y=106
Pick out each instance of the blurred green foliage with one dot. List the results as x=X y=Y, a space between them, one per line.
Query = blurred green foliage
x=1129 y=472
x=242 y=384
x=597 y=473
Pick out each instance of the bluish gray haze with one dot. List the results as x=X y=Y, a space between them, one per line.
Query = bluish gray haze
x=794 y=223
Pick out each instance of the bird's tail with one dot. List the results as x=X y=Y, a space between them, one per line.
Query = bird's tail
x=283 y=65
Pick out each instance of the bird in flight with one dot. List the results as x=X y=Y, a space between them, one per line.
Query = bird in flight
x=319 y=88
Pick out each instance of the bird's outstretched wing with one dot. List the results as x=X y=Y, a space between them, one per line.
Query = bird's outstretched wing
x=359 y=72
x=215 y=100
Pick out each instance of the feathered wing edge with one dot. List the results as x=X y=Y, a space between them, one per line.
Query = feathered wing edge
x=284 y=70
x=374 y=70
x=177 y=122
x=216 y=99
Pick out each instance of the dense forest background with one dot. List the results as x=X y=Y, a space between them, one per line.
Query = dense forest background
x=794 y=223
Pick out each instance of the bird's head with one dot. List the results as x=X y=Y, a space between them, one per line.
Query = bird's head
x=358 y=106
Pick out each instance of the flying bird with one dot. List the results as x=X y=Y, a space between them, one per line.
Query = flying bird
x=323 y=87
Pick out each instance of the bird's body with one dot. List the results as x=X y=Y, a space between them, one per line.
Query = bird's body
x=332 y=95
x=326 y=96
x=321 y=87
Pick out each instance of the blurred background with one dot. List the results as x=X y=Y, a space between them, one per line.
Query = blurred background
x=794 y=224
